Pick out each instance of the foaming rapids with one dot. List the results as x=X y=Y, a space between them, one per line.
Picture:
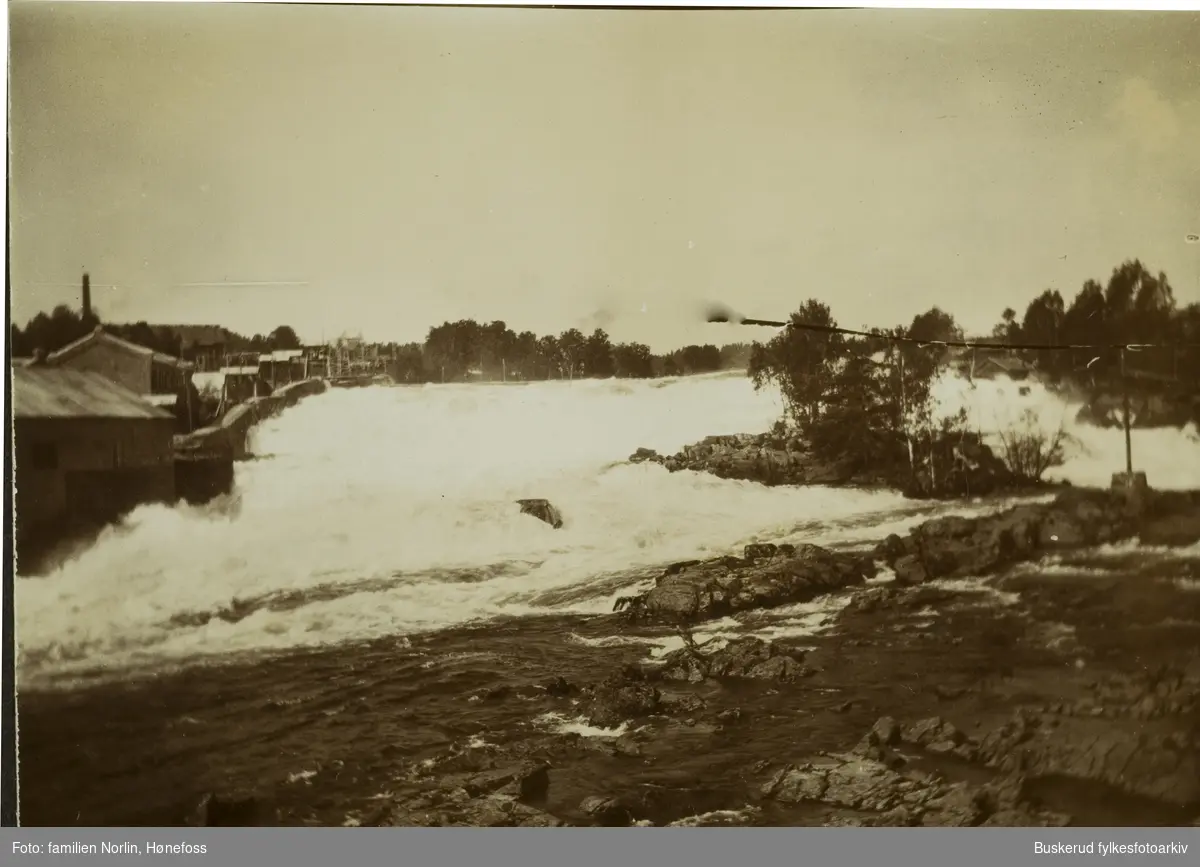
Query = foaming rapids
x=1169 y=456
x=388 y=511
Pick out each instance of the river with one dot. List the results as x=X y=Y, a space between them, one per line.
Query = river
x=390 y=511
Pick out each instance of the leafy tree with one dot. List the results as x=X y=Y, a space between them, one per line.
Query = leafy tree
x=284 y=337
x=1043 y=323
x=597 y=356
x=571 y=345
x=735 y=356
x=867 y=403
x=1008 y=330
x=698 y=359
x=633 y=361
x=408 y=363
x=800 y=362
x=547 y=358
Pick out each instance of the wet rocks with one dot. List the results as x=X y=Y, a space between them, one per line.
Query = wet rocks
x=559 y=687
x=767 y=576
x=956 y=545
x=1159 y=762
x=966 y=465
x=606 y=811
x=622 y=696
x=748 y=815
x=748 y=657
x=893 y=797
x=543 y=510
x=895 y=598
x=526 y=780
x=492 y=798
x=763 y=458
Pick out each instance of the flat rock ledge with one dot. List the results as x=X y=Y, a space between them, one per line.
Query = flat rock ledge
x=766 y=576
x=957 y=546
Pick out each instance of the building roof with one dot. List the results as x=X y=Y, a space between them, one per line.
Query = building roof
x=281 y=355
x=41 y=391
x=100 y=335
x=1008 y=363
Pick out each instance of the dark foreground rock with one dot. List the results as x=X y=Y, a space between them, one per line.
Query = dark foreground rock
x=882 y=795
x=1154 y=755
x=956 y=546
x=992 y=721
x=625 y=695
x=543 y=510
x=765 y=577
x=748 y=657
x=497 y=797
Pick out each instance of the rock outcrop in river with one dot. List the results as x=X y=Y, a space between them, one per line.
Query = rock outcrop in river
x=971 y=468
x=765 y=577
x=543 y=510
x=952 y=546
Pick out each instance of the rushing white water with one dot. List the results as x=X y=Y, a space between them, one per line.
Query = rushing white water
x=1170 y=457
x=384 y=511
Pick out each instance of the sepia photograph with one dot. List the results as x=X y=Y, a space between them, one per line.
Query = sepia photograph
x=604 y=417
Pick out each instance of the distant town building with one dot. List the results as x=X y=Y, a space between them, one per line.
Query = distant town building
x=1001 y=366
x=203 y=345
x=87 y=449
x=282 y=366
x=137 y=368
x=988 y=364
x=350 y=355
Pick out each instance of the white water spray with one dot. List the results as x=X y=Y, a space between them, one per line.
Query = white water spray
x=386 y=511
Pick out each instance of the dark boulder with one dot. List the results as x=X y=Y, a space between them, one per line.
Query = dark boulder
x=623 y=696
x=543 y=510
x=748 y=657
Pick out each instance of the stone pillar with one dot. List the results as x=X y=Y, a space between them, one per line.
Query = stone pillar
x=1133 y=487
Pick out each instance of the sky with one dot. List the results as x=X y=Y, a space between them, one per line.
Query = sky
x=379 y=170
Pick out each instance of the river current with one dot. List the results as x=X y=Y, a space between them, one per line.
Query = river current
x=390 y=511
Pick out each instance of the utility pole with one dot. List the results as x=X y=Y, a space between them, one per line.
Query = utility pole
x=1125 y=406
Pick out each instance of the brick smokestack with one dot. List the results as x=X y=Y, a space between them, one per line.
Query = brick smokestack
x=87 y=296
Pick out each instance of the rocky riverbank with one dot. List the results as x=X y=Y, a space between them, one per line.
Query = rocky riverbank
x=768 y=576
x=972 y=469
x=1063 y=689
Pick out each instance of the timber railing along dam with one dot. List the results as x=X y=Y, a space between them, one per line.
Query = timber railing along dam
x=204 y=458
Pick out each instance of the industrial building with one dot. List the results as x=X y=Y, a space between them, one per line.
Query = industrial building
x=137 y=368
x=87 y=450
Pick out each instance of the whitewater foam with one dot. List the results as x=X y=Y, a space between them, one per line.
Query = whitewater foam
x=388 y=511
x=1170 y=457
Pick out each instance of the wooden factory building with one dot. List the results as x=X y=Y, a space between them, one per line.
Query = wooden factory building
x=137 y=368
x=87 y=450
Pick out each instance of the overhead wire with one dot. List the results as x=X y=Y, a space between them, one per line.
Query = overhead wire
x=963 y=344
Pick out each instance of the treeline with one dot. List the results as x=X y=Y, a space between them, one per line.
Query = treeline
x=452 y=352
x=867 y=403
x=467 y=350
x=51 y=332
x=1135 y=306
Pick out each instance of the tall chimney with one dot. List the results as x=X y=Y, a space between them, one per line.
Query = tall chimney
x=87 y=296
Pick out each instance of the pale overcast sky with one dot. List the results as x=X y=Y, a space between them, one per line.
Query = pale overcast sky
x=557 y=168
